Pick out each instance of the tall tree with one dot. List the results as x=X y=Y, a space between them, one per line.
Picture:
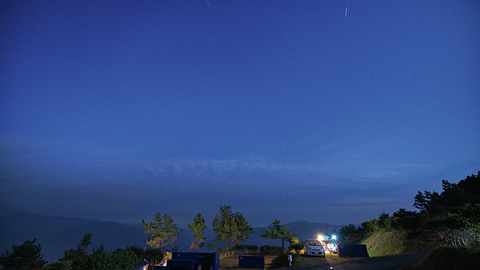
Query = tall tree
x=198 y=228
x=223 y=225
x=230 y=227
x=26 y=256
x=162 y=233
x=241 y=230
x=85 y=242
x=277 y=231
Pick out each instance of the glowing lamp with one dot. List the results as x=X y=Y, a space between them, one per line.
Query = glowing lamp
x=320 y=237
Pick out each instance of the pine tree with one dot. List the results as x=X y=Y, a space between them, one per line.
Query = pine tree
x=26 y=256
x=277 y=231
x=161 y=232
x=231 y=227
x=242 y=229
x=198 y=228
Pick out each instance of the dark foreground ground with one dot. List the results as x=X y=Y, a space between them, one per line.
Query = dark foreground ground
x=392 y=262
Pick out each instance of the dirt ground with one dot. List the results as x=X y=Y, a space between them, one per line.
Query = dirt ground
x=393 y=262
x=332 y=261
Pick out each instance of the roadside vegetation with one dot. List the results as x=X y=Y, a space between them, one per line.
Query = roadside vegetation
x=448 y=223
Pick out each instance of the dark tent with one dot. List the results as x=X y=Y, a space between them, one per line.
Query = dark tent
x=352 y=251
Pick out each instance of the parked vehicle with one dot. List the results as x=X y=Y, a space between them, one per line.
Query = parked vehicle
x=331 y=245
x=313 y=247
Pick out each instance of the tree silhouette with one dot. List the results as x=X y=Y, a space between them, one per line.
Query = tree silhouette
x=161 y=232
x=277 y=231
x=26 y=256
x=198 y=228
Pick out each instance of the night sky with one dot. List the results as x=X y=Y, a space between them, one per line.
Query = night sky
x=326 y=111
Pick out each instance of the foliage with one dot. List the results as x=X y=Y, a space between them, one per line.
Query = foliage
x=350 y=234
x=452 y=218
x=61 y=265
x=231 y=227
x=223 y=225
x=242 y=230
x=121 y=259
x=453 y=196
x=72 y=254
x=198 y=228
x=237 y=249
x=245 y=249
x=131 y=255
x=272 y=250
x=460 y=229
x=153 y=255
x=296 y=248
x=85 y=242
x=26 y=256
x=294 y=240
x=277 y=231
x=296 y=245
x=449 y=219
x=162 y=233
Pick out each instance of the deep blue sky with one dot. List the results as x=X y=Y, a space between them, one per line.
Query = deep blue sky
x=281 y=109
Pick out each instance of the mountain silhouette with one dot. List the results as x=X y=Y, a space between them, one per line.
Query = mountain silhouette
x=57 y=234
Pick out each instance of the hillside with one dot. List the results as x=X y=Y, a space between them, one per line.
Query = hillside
x=57 y=234
x=392 y=243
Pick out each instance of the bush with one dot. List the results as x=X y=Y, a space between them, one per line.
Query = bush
x=350 y=234
x=295 y=248
x=369 y=226
x=26 y=256
x=62 y=265
x=246 y=249
x=153 y=255
x=121 y=259
x=271 y=250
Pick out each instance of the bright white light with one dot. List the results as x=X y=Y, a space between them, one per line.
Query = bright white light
x=320 y=237
x=334 y=236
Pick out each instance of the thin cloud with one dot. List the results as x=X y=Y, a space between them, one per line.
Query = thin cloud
x=110 y=185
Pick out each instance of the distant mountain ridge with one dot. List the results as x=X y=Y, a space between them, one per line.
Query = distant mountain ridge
x=57 y=234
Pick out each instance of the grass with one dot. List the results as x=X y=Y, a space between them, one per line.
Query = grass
x=392 y=243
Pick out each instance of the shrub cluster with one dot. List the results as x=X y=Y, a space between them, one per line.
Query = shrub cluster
x=272 y=250
x=296 y=248
x=237 y=249
x=402 y=221
x=121 y=259
x=449 y=219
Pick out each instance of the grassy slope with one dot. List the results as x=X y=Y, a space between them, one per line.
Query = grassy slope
x=391 y=243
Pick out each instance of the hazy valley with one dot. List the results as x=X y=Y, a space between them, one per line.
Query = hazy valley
x=57 y=234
